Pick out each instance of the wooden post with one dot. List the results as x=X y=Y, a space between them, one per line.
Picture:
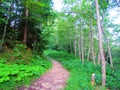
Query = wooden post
x=93 y=79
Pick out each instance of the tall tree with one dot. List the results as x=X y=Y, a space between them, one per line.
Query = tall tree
x=26 y=27
x=92 y=42
x=101 y=45
x=6 y=23
x=82 y=42
x=108 y=52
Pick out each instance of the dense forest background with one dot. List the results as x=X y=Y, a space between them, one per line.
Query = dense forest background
x=82 y=29
x=23 y=21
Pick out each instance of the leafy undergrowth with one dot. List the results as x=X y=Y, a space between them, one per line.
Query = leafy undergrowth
x=80 y=74
x=19 y=67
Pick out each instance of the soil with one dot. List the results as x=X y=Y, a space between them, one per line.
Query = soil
x=54 y=79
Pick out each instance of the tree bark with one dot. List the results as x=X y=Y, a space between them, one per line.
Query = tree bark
x=108 y=46
x=101 y=45
x=88 y=56
x=109 y=51
x=92 y=42
x=79 y=48
x=75 y=51
x=99 y=59
x=82 y=47
x=5 y=29
x=70 y=45
x=25 y=29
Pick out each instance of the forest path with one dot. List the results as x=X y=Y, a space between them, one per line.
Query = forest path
x=54 y=79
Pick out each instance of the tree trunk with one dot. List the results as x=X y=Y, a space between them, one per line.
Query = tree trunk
x=75 y=51
x=82 y=47
x=109 y=51
x=101 y=45
x=79 y=48
x=70 y=45
x=88 y=56
x=99 y=59
x=25 y=29
x=92 y=42
x=4 y=32
x=108 y=46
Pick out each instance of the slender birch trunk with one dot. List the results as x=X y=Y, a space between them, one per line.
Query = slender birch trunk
x=109 y=51
x=70 y=45
x=92 y=42
x=79 y=48
x=88 y=56
x=99 y=59
x=108 y=48
x=75 y=51
x=101 y=45
x=82 y=47
x=108 y=45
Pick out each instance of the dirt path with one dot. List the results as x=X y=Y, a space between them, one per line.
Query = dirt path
x=54 y=79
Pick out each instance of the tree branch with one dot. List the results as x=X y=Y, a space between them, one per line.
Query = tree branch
x=118 y=4
x=82 y=13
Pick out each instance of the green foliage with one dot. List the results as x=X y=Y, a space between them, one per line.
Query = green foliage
x=19 y=55
x=115 y=78
x=80 y=74
x=20 y=73
x=21 y=68
x=13 y=14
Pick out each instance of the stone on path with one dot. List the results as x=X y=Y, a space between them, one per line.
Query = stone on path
x=54 y=79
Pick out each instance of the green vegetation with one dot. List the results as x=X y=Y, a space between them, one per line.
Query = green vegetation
x=19 y=67
x=80 y=74
x=21 y=41
x=22 y=21
x=83 y=32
